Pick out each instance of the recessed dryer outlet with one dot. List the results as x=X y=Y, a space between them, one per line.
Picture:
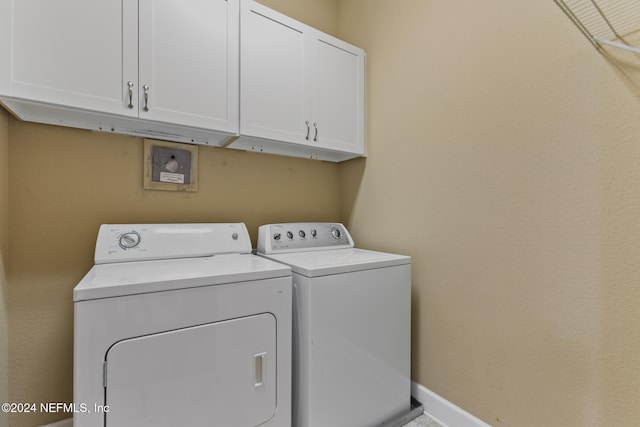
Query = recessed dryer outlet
x=170 y=166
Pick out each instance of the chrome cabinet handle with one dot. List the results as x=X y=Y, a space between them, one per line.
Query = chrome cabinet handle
x=130 y=90
x=307 y=137
x=315 y=137
x=146 y=97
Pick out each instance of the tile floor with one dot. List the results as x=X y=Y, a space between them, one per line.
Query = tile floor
x=424 y=420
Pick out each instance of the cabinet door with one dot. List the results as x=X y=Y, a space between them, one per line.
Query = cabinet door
x=189 y=59
x=337 y=94
x=65 y=52
x=274 y=94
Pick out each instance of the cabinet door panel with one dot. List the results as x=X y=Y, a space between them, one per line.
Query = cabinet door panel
x=189 y=60
x=68 y=52
x=274 y=93
x=339 y=101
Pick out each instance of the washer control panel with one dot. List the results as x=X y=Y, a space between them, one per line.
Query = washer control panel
x=302 y=236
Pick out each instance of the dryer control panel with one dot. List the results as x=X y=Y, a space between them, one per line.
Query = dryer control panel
x=144 y=242
x=302 y=237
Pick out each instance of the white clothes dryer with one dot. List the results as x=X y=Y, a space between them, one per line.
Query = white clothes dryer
x=180 y=325
x=352 y=327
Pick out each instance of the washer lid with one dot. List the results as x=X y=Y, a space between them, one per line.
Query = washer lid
x=324 y=263
x=119 y=279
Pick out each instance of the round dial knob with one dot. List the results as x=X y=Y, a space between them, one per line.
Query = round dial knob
x=289 y=234
x=336 y=233
x=302 y=234
x=276 y=236
x=314 y=233
x=129 y=240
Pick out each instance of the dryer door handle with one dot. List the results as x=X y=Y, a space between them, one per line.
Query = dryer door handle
x=259 y=369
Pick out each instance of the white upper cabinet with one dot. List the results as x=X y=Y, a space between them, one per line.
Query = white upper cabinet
x=337 y=81
x=107 y=63
x=298 y=86
x=187 y=73
x=65 y=52
x=274 y=91
x=196 y=71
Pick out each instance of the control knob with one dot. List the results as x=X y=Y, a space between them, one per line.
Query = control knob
x=336 y=233
x=129 y=240
x=289 y=234
x=302 y=234
x=276 y=236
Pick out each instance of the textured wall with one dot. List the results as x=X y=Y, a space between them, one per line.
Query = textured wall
x=320 y=14
x=4 y=256
x=503 y=157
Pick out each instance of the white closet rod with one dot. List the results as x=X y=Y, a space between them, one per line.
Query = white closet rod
x=616 y=44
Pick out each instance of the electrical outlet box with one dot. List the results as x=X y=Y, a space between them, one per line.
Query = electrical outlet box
x=170 y=166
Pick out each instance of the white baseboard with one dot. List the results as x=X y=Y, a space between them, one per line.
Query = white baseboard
x=442 y=410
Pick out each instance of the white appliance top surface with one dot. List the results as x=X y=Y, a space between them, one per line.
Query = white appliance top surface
x=128 y=278
x=337 y=261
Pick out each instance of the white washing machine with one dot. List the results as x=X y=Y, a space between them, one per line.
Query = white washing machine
x=180 y=325
x=352 y=327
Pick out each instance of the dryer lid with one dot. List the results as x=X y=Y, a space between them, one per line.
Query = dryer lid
x=130 y=278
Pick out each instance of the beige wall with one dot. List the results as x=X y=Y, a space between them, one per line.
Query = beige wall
x=320 y=14
x=66 y=182
x=4 y=256
x=504 y=156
